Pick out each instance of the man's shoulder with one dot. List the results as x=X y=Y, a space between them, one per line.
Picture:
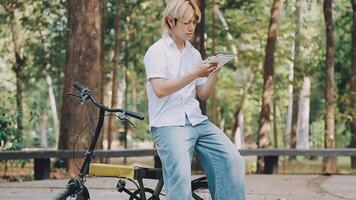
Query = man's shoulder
x=156 y=49
x=157 y=45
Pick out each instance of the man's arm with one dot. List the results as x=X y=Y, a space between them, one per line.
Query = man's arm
x=204 y=90
x=164 y=87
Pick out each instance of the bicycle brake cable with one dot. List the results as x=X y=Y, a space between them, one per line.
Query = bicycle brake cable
x=80 y=132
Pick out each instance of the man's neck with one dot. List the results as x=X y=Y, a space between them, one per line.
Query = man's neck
x=179 y=43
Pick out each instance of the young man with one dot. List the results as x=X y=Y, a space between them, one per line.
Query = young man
x=176 y=74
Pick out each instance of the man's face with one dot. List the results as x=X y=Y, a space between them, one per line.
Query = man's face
x=184 y=30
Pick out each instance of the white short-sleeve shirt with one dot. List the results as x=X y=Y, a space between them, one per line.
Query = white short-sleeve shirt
x=164 y=60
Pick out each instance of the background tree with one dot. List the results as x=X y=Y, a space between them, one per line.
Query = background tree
x=265 y=121
x=199 y=41
x=292 y=115
x=330 y=163
x=353 y=85
x=115 y=71
x=10 y=8
x=213 y=106
x=83 y=66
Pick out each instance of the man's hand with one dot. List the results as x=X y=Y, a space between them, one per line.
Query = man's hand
x=204 y=90
x=205 y=68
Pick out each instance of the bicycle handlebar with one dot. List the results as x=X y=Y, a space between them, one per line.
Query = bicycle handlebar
x=78 y=87
x=85 y=94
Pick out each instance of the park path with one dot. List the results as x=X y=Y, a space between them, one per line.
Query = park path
x=258 y=187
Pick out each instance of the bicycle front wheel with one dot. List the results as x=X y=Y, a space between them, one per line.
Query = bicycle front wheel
x=200 y=189
x=68 y=194
x=63 y=194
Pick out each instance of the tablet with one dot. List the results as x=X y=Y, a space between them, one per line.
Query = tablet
x=221 y=59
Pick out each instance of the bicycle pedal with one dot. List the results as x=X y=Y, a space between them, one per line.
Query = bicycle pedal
x=120 y=185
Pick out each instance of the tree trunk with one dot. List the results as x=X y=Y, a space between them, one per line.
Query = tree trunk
x=52 y=99
x=293 y=90
x=213 y=106
x=199 y=38
x=293 y=137
x=265 y=122
x=237 y=136
x=229 y=37
x=134 y=91
x=353 y=84
x=43 y=129
x=237 y=132
x=330 y=162
x=103 y=82
x=126 y=98
x=18 y=69
x=287 y=135
x=275 y=128
x=198 y=42
x=115 y=72
x=222 y=120
x=303 y=116
x=83 y=66
x=126 y=87
x=237 y=127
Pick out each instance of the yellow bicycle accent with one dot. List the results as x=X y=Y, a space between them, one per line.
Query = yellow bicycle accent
x=107 y=170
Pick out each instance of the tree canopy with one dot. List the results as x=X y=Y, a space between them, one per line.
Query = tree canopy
x=241 y=28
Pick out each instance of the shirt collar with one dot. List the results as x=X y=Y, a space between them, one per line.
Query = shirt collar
x=170 y=42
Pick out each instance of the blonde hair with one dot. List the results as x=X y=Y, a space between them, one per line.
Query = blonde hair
x=180 y=10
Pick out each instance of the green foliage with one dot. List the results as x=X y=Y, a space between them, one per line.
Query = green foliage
x=317 y=133
x=43 y=29
x=9 y=136
x=343 y=23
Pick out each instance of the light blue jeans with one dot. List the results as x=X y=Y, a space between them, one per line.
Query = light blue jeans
x=221 y=160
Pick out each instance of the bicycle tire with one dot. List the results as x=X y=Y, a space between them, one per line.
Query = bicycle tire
x=63 y=194
x=200 y=189
x=83 y=194
x=136 y=194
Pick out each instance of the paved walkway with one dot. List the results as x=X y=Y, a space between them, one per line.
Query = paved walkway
x=259 y=187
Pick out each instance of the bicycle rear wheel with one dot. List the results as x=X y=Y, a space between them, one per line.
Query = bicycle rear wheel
x=200 y=189
x=148 y=193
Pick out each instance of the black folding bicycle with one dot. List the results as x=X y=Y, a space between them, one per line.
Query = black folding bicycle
x=76 y=189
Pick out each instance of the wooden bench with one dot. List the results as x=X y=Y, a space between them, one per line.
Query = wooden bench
x=42 y=164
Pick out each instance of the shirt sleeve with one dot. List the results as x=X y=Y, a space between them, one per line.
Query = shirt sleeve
x=155 y=63
x=201 y=80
